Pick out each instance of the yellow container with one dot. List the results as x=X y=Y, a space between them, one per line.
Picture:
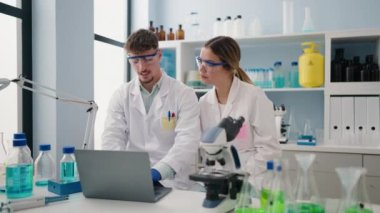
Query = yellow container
x=311 y=66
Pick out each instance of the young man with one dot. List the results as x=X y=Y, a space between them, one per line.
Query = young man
x=154 y=113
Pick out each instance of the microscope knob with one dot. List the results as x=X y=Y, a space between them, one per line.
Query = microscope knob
x=222 y=161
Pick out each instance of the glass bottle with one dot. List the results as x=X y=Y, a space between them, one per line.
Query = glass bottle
x=266 y=184
x=21 y=135
x=151 y=27
x=180 y=34
x=157 y=32
x=218 y=27
x=171 y=35
x=279 y=78
x=68 y=165
x=293 y=75
x=44 y=166
x=19 y=171
x=162 y=32
x=308 y=25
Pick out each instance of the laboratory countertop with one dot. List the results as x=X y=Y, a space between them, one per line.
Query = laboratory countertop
x=332 y=148
x=176 y=201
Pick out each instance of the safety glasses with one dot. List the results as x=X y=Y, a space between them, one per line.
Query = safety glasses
x=147 y=59
x=208 y=63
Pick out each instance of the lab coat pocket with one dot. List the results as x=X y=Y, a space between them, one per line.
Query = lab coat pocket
x=168 y=123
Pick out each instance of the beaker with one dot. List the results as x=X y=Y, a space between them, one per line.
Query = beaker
x=354 y=194
x=306 y=192
x=307 y=128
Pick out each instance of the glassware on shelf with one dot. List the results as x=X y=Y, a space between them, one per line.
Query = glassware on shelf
x=308 y=25
x=306 y=192
x=293 y=131
x=354 y=194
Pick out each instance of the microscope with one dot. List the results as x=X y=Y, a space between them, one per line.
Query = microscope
x=219 y=166
x=281 y=126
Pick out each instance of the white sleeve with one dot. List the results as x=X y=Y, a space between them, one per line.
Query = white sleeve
x=115 y=134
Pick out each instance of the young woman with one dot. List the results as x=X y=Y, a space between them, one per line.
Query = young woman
x=234 y=95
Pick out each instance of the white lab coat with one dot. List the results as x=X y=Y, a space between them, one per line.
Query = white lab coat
x=257 y=140
x=129 y=127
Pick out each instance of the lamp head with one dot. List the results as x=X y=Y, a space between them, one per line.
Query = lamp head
x=4 y=83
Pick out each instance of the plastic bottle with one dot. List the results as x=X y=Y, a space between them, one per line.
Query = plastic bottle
x=171 y=35
x=227 y=26
x=293 y=75
x=238 y=27
x=162 y=32
x=278 y=76
x=194 y=26
x=218 y=27
x=44 y=166
x=180 y=34
x=311 y=66
x=68 y=165
x=266 y=184
x=19 y=171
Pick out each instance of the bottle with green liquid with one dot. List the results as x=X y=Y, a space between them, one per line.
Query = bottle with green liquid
x=68 y=167
x=266 y=185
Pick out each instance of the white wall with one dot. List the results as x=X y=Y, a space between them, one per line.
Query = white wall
x=63 y=51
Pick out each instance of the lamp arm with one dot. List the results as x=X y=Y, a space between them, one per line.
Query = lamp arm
x=54 y=94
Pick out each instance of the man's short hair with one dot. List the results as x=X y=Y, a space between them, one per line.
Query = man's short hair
x=141 y=41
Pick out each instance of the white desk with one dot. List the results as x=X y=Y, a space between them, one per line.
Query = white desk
x=176 y=201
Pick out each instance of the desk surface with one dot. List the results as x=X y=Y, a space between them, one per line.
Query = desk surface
x=176 y=201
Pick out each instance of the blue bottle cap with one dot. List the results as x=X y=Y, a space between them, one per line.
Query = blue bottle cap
x=270 y=165
x=19 y=135
x=68 y=150
x=294 y=63
x=277 y=63
x=19 y=142
x=279 y=168
x=45 y=147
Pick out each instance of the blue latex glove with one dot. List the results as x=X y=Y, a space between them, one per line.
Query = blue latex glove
x=156 y=176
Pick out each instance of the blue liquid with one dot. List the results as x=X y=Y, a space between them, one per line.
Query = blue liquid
x=293 y=79
x=19 y=181
x=68 y=172
x=279 y=82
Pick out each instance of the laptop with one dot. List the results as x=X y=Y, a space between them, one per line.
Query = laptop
x=118 y=175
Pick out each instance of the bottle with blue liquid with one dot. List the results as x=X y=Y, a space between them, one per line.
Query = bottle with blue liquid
x=19 y=171
x=278 y=75
x=44 y=166
x=293 y=75
x=68 y=165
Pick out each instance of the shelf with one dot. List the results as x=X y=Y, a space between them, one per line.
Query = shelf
x=354 y=88
x=331 y=148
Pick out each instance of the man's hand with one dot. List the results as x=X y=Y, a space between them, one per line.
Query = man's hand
x=156 y=176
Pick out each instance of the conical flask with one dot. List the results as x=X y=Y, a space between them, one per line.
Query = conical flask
x=282 y=199
x=294 y=130
x=306 y=192
x=354 y=194
x=244 y=203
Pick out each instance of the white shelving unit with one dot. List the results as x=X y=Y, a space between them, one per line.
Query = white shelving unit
x=308 y=103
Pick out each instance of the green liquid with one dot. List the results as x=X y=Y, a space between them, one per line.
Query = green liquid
x=264 y=197
x=356 y=209
x=307 y=208
x=249 y=210
x=278 y=203
x=19 y=181
x=68 y=172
